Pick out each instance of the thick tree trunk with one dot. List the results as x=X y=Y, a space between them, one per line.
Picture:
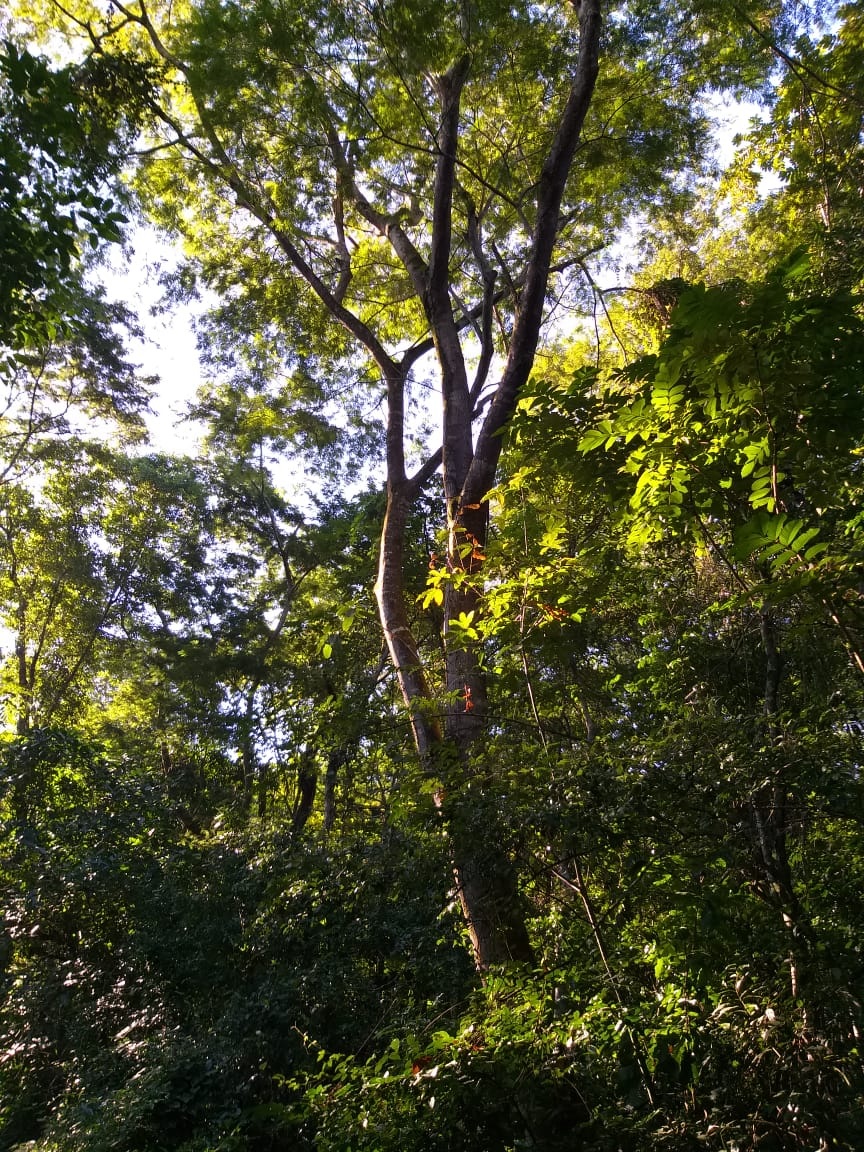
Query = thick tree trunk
x=24 y=705
x=485 y=877
x=263 y=790
x=249 y=772
x=487 y=885
x=466 y=685
x=22 y=721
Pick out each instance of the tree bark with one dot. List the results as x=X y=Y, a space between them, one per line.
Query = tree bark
x=307 y=784
x=487 y=885
x=390 y=594
x=335 y=761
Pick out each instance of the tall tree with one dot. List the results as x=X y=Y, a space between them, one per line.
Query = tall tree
x=394 y=180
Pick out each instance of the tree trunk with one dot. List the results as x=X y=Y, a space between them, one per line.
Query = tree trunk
x=335 y=761
x=769 y=813
x=22 y=721
x=25 y=687
x=307 y=784
x=485 y=877
x=390 y=594
x=263 y=789
x=487 y=884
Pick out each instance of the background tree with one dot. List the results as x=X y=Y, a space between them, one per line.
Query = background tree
x=63 y=137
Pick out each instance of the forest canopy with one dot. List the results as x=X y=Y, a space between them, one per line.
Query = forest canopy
x=461 y=748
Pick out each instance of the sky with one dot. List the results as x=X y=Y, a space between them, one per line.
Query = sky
x=168 y=350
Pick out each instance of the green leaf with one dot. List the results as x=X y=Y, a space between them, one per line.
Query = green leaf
x=592 y=439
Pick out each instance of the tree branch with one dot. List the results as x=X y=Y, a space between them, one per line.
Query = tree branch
x=553 y=178
x=387 y=224
x=795 y=66
x=425 y=472
x=470 y=317
x=489 y=277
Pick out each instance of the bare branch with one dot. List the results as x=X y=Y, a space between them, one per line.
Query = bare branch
x=599 y=295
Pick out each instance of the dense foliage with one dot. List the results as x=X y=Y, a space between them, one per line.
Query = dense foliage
x=260 y=880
